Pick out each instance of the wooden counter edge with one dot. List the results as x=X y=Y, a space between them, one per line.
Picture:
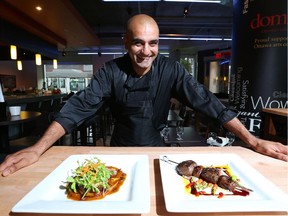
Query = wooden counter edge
x=276 y=111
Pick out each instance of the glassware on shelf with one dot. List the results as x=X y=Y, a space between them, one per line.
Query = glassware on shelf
x=164 y=133
x=179 y=132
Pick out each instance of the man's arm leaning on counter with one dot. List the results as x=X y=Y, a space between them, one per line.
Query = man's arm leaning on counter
x=273 y=149
x=30 y=155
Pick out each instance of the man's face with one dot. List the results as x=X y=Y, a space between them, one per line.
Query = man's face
x=142 y=46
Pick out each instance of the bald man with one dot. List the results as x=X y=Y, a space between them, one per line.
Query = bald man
x=139 y=86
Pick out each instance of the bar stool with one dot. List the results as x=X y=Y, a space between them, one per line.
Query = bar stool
x=46 y=106
x=33 y=106
x=189 y=118
x=90 y=131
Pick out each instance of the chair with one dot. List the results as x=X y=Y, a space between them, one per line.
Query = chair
x=182 y=111
x=56 y=104
x=189 y=118
x=46 y=106
x=39 y=125
x=204 y=125
x=109 y=120
x=33 y=106
x=91 y=130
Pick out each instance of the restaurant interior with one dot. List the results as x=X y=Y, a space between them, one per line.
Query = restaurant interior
x=49 y=50
x=60 y=45
x=75 y=39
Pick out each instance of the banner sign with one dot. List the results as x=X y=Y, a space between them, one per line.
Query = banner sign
x=259 y=59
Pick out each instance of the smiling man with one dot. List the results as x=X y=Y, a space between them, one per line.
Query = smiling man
x=139 y=87
x=141 y=42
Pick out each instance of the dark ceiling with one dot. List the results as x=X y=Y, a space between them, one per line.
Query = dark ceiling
x=91 y=25
x=108 y=20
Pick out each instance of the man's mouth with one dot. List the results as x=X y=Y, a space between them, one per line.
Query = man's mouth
x=143 y=58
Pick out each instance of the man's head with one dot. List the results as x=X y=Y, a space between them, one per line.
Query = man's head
x=141 y=41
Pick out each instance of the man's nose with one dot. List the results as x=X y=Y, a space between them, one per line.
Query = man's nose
x=146 y=49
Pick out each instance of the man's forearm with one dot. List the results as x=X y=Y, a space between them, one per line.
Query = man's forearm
x=236 y=127
x=51 y=135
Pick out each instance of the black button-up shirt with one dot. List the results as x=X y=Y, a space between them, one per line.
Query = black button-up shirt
x=140 y=104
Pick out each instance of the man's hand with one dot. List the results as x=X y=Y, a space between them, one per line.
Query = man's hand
x=273 y=149
x=32 y=154
x=17 y=161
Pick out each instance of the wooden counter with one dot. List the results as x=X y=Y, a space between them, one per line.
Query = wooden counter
x=16 y=186
x=281 y=112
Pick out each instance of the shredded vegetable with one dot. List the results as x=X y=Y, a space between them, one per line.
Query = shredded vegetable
x=91 y=175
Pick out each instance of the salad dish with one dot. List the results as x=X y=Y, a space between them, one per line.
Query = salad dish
x=93 y=180
x=123 y=178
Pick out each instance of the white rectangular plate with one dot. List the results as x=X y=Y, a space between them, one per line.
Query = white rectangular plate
x=133 y=196
x=265 y=196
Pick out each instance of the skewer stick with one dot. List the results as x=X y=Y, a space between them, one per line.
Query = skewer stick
x=165 y=159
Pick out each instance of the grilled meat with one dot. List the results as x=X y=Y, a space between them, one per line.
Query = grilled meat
x=186 y=168
x=213 y=175
x=227 y=183
x=197 y=171
x=210 y=174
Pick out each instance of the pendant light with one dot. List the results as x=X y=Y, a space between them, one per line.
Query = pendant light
x=19 y=65
x=13 y=52
x=55 y=64
x=38 y=59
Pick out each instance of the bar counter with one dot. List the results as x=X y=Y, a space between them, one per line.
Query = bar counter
x=17 y=185
x=25 y=99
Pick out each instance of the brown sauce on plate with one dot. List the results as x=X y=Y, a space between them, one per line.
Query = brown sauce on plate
x=115 y=182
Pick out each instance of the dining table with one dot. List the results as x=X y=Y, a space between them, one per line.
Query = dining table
x=5 y=122
x=15 y=186
x=190 y=137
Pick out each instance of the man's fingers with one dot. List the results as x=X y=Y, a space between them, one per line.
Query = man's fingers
x=6 y=172
x=16 y=162
x=14 y=167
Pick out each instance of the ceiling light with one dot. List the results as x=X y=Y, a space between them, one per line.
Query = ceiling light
x=192 y=38
x=55 y=64
x=185 y=11
x=19 y=65
x=196 y=1
x=38 y=8
x=38 y=59
x=13 y=52
x=130 y=0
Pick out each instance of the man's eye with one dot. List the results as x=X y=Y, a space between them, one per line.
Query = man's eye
x=153 y=43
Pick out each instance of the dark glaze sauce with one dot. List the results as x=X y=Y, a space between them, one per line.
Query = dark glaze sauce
x=115 y=182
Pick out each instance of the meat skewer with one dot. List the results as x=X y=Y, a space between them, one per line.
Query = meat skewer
x=190 y=168
x=213 y=175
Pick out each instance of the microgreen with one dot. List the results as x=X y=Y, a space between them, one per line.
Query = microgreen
x=92 y=175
